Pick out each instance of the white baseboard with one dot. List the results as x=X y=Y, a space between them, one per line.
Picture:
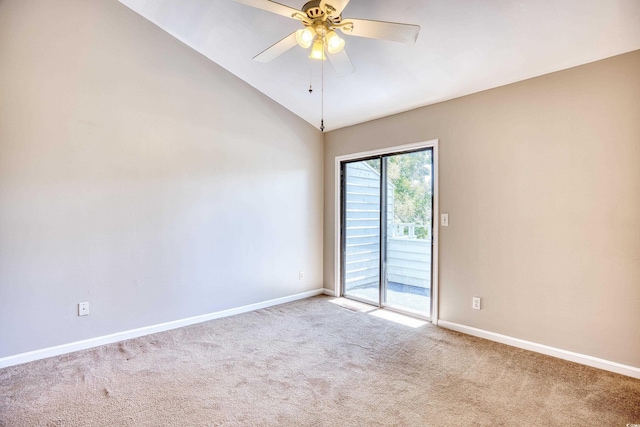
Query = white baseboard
x=583 y=359
x=147 y=330
x=328 y=292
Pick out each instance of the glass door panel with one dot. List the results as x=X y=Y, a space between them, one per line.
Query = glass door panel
x=361 y=230
x=408 y=235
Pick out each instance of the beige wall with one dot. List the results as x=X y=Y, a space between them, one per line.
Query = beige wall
x=541 y=180
x=139 y=176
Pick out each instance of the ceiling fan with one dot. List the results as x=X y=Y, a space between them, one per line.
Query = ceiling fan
x=321 y=19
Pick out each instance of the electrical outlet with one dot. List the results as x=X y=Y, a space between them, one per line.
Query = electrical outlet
x=476 y=303
x=300 y=275
x=83 y=309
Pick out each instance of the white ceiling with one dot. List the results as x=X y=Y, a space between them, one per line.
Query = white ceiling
x=464 y=46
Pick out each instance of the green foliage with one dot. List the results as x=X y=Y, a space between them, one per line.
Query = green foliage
x=411 y=176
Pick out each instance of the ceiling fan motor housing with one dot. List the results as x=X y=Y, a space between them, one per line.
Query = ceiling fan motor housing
x=312 y=9
x=314 y=12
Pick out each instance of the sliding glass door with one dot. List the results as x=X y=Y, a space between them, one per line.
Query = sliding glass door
x=387 y=221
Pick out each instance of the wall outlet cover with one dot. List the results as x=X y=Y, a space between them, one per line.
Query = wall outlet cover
x=83 y=309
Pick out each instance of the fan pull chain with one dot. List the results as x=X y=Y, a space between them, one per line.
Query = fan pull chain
x=322 y=92
x=310 y=75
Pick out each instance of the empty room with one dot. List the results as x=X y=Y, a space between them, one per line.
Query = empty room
x=319 y=213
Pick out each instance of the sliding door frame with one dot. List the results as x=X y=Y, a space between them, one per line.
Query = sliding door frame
x=338 y=244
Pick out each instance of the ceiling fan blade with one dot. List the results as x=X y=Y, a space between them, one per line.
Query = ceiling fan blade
x=277 y=49
x=341 y=62
x=403 y=33
x=271 y=6
x=338 y=5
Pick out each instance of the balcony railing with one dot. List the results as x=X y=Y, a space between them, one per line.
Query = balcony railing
x=405 y=230
x=408 y=257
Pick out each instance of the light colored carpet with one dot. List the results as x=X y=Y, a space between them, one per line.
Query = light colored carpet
x=312 y=363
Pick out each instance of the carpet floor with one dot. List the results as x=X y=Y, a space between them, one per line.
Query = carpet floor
x=312 y=363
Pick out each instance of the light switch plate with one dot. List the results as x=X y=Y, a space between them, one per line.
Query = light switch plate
x=444 y=220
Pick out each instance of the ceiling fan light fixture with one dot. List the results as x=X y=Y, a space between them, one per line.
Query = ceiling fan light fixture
x=334 y=43
x=317 y=52
x=305 y=37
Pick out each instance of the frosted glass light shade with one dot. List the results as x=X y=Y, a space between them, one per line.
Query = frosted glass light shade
x=305 y=37
x=334 y=43
x=318 y=50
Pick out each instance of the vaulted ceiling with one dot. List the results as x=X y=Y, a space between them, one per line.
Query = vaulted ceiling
x=464 y=46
